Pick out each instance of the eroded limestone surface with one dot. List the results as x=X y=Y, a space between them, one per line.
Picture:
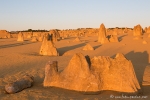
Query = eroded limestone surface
x=101 y=73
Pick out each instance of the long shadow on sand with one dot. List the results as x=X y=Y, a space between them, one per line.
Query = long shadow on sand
x=68 y=38
x=15 y=44
x=64 y=49
x=5 y=39
x=95 y=47
x=139 y=60
x=32 y=54
x=121 y=37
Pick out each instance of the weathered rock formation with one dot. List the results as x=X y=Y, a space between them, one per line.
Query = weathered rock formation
x=55 y=35
x=137 y=31
x=77 y=39
x=63 y=35
x=34 y=39
x=40 y=38
x=146 y=76
x=48 y=48
x=145 y=30
x=29 y=34
x=98 y=74
x=125 y=30
x=46 y=37
x=115 y=31
x=20 y=37
x=116 y=74
x=20 y=84
x=113 y=38
x=102 y=35
x=148 y=30
x=9 y=35
x=88 y=47
x=3 y=34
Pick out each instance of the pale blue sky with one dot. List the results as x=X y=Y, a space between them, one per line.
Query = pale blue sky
x=72 y=14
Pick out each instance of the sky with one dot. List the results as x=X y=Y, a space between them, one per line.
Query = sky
x=18 y=15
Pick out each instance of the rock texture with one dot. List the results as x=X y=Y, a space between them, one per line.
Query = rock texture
x=88 y=47
x=98 y=74
x=148 y=31
x=20 y=84
x=113 y=38
x=102 y=35
x=4 y=34
x=46 y=37
x=9 y=35
x=145 y=30
x=125 y=30
x=137 y=31
x=146 y=76
x=29 y=34
x=34 y=39
x=20 y=37
x=40 y=38
x=77 y=39
x=116 y=74
x=55 y=35
x=48 y=48
x=115 y=31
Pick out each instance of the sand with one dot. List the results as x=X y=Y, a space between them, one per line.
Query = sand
x=20 y=58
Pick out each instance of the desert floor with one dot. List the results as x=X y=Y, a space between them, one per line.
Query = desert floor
x=20 y=58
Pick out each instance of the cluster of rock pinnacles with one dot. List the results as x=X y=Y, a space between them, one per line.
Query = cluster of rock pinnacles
x=87 y=74
x=101 y=73
x=83 y=73
x=5 y=34
x=98 y=74
x=102 y=38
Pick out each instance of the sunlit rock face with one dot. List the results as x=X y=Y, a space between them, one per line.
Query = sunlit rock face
x=55 y=35
x=4 y=34
x=146 y=76
x=29 y=34
x=113 y=38
x=115 y=31
x=34 y=39
x=87 y=47
x=137 y=30
x=48 y=47
x=97 y=74
x=102 y=34
x=77 y=39
x=148 y=30
x=20 y=37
